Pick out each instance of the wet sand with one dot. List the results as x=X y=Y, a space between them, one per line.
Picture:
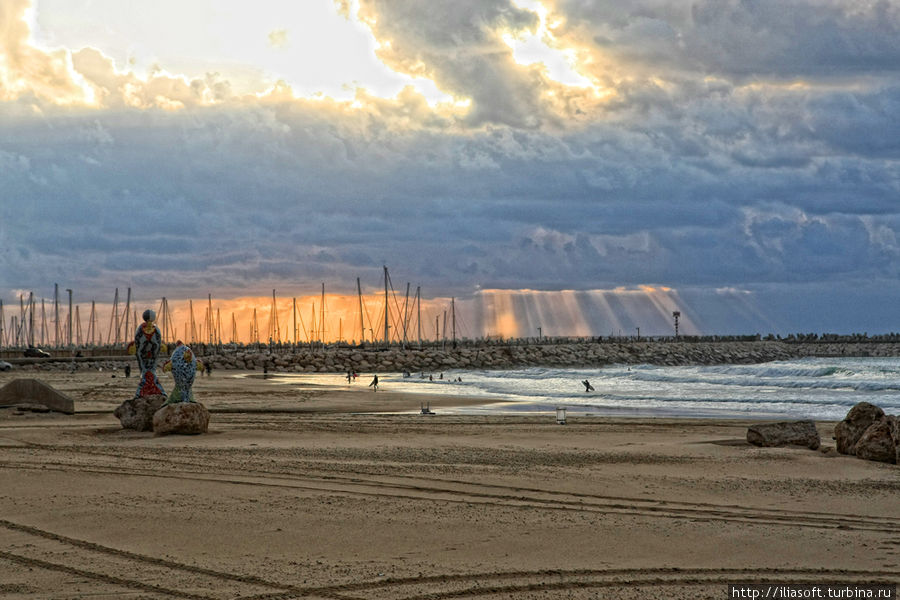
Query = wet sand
x=318 y=493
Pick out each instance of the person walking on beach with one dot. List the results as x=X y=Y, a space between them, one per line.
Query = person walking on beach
x=374 y=384
x=349 y=377
x=587 y=386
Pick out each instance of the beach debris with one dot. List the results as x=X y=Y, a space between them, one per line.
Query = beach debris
x=137 y=413
x=146 y=346
x=561 y=415
x=34 y=392
x=787 y=433
x=188 y=418
x=848 y=432
x=877 y=443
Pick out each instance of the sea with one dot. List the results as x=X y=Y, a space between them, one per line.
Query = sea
x=811 y=388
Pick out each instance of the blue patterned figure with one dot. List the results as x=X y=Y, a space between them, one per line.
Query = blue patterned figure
x=183 y=365
x=146 y=346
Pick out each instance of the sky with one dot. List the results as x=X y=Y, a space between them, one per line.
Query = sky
x=737 y=161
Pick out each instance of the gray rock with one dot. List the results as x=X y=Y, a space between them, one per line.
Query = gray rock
x=188 y=418
x=895 y=434
x=877 y=443
x=137 y=413
x=794 y=433
x=848 y=432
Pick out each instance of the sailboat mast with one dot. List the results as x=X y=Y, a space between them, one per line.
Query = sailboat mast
x=31 y=319
x=387 y=341
x=56 y=313
x=453 y=312
x=127 y=314
x=419 y=313
x=362 y=325
x=43 y=323
x=405 y=314
x=294 y=317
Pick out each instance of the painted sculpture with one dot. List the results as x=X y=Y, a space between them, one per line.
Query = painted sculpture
x=184 y=365
x=146 y=346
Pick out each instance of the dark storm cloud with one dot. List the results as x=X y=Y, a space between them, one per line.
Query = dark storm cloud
x=737 y=39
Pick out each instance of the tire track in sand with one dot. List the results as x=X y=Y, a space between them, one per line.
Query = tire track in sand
x=103 y=563
x=504 y=497
x=439 y=587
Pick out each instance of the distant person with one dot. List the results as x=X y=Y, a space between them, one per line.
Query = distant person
x=442 y=376
x=431 y=378
x=127 y=370
x=587 y=386
x=374 y=384
x=208 y=370
x=349 y=377
x=265 y=371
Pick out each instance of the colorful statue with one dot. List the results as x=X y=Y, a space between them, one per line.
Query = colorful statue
x=146 y=346
x=184 y=365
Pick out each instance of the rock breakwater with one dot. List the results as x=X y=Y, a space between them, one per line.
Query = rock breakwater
x=491 y=355
x=503 y=357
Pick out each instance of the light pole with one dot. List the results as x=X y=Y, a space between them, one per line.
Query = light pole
x=676 y=314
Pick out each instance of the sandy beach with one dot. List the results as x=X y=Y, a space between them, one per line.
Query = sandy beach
x=346 y=494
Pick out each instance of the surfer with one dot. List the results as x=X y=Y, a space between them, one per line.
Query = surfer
x=587 y=386
x=374 y=384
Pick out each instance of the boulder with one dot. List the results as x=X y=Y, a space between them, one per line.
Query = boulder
x=137 y=413
x=848 y=431
x=877 y=443
x=895 y=433
x=793 y=433
x=181 y=417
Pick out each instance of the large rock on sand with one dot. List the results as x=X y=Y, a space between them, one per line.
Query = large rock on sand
x=895 y=434
x=794 y=433
x=877 y=442
x=848 y=431
x=137 y=413
x=181 y=417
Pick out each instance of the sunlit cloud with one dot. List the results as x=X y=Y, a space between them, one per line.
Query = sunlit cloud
x=537 y=47
x=278 y=38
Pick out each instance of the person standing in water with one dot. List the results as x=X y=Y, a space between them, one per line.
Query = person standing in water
x=374 y=384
